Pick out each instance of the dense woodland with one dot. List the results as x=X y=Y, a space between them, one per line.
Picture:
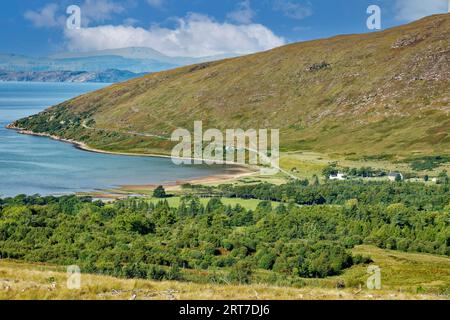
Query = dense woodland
x=302 y=192
x=308 y=234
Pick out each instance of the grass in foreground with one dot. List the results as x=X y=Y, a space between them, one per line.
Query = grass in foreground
x=404 y=276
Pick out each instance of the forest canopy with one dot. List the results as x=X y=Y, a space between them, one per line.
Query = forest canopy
x=136 y=238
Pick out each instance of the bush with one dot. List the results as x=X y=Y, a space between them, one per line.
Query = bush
x=155 y=273
x=160 y=193
x=174 y=274
x=267 y=261
x=360 y=259
x=241 y=272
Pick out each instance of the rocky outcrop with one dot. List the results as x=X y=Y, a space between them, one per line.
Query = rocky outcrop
x=407 y=41
x=319 y=66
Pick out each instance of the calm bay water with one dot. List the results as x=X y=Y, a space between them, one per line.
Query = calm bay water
x=36 y=165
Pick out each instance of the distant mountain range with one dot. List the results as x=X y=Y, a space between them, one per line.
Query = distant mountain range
x=95 y=65
x=107 y=76
x=147 y=55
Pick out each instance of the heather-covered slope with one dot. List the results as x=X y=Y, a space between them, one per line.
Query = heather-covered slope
x=369 y=94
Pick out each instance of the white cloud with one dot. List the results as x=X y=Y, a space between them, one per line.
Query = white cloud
x=99 y=11
x=195 y=36
x=92 y=11
x=409 y=10
x=293 y=10
x=243 y=14
x=156 y=3
x=45 y=17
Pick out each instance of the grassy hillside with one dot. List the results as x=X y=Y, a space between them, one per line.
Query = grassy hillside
x=370 y=94
x=404 y=276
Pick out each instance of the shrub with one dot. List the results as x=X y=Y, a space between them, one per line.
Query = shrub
x=155 y=273
x=267 y=261
x=241 y=272
x=160 y=193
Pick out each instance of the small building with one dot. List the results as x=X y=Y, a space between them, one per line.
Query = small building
x=395 y=176
x=338 y=176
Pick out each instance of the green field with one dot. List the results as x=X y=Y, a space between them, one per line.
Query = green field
x=249 y=204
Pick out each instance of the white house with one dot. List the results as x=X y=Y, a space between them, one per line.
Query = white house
x=393 y=176
x=339 y=176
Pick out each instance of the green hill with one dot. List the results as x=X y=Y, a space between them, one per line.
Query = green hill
x=368 y=94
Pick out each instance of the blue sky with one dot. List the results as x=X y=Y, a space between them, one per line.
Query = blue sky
x=192 y=27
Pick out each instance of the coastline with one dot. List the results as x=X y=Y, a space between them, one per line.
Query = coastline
x=237 y=170
x=174 y=185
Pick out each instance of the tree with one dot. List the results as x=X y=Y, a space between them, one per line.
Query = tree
x=241 y=272
x=160 y=193
x=330 y=170
x=281 y=209
x=315 y=180
x=267 y=261
x=264 y=207
x=443 y=177
x=214 y=204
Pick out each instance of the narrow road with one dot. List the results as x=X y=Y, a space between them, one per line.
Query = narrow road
x=265 y=158
x=84 y=125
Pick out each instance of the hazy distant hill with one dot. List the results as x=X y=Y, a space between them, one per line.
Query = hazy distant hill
x=139 y=53
x=137 y=60
x=108 y=76
x=132 y=53
x=384 y=92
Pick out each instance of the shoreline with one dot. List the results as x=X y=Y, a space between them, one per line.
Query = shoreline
x=240 y=170
x=173 y=185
